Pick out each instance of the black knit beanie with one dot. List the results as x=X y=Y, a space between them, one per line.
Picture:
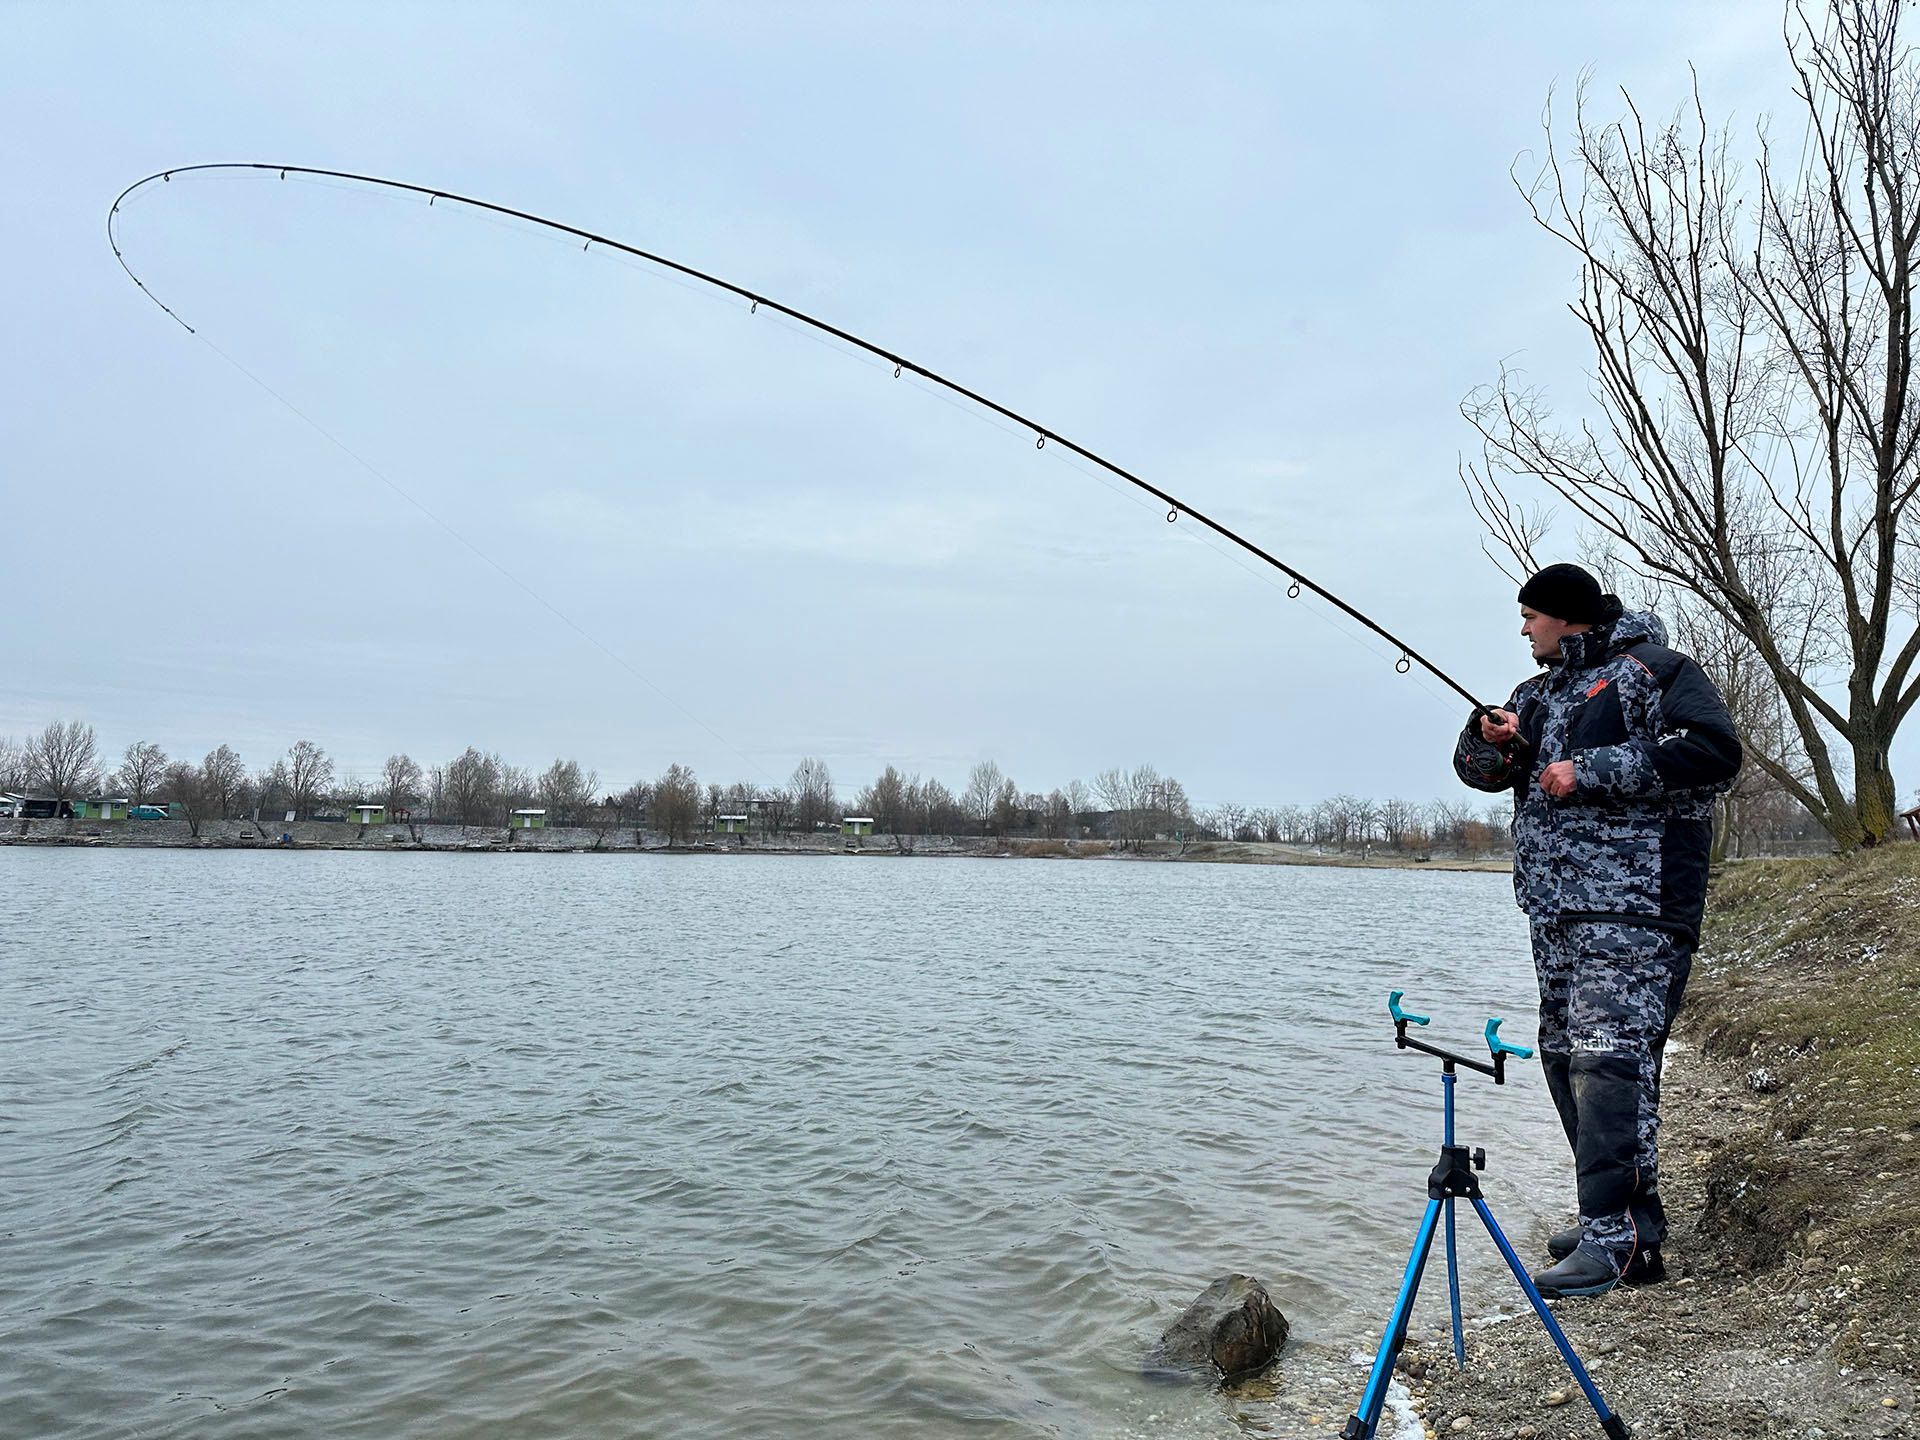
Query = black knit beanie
x=1569 y=593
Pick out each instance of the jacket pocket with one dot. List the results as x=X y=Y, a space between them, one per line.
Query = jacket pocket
x=1597 y=720
x=1610 y=862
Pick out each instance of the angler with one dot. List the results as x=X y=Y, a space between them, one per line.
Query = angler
x=1614 y=754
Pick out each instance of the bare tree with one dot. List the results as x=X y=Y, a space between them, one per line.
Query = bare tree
x=1142 y=803
x=602 y=818
x=348 y=792
x=271 y=788
x=1059 y=814
x=934 y=808
x=400 y=782
x=566 y=791
x=1399 y=823
x=983 y=788
x=1447 y=822
x=16 y=768
x=1496 y=823
x=1006 y=806
x=886 y=801
x=676 y=804
x=309 y=775
x=1759 y=712
x=1116 y=794
x=634 y=805
x=471 y=783
x=1363 y=821
x=1157 y=804
x=813 y=798
x=63 y=760
x=518 y=791
x=190 y=787
x=1079 y=802
x=226 y=780
x=140 y=770
x=1755 y=367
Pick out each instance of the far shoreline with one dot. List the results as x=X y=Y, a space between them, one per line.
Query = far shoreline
x=401 y=838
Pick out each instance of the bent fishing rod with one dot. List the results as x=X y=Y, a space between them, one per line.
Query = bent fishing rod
x=1176 y=507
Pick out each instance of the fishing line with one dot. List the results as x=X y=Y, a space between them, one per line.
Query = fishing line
x=1176 y=511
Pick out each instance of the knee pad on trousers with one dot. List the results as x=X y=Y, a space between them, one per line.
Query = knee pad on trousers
x=1558 y=1070
x=1606 y=1093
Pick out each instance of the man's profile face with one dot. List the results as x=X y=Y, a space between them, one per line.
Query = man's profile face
x=1545 y=632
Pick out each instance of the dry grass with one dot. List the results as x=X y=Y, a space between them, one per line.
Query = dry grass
x=1810 y=980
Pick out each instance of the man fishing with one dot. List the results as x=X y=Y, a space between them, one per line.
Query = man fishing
x=1614 y=753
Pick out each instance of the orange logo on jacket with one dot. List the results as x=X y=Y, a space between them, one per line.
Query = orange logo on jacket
x=1598 y=686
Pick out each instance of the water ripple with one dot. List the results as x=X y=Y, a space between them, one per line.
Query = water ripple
x=421 y=1146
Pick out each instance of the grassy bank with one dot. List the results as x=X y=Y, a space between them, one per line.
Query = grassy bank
x=1810 y=985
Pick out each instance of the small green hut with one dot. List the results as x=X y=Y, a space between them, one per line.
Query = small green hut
x=527 y=820
x=857 y=825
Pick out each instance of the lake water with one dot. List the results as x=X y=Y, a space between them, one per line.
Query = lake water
x=325 y=1144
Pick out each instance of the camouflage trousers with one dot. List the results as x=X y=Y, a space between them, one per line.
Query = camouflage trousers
x=1608 y=993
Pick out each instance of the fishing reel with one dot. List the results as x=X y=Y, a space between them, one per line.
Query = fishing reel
x=1495 y=764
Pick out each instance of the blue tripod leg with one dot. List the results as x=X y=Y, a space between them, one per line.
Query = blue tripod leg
x=1453 y=1290
x=1609 y=1422
x=1361 y=1424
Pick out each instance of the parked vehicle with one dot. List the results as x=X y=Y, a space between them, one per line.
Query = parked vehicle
x=148 y=812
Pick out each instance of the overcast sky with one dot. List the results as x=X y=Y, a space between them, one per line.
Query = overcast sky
x=1255 y=253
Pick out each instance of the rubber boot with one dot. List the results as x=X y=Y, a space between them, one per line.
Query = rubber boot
x=1587 y=1271
x=1646 y=1267
x=1566 y=1241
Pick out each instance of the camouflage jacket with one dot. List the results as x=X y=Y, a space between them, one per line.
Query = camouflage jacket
x=1652 y=745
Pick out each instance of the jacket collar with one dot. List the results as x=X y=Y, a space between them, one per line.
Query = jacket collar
x=1590 y=647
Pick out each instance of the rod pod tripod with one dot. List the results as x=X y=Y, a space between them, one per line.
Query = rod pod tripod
x=1453 y=1178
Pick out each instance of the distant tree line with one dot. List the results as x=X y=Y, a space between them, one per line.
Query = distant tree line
x=1129 y=808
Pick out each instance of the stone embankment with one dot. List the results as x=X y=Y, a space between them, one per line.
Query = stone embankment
x=337 y=835
x=1790 y=1160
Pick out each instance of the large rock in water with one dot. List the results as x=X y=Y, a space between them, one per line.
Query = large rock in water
x=1231 y=1331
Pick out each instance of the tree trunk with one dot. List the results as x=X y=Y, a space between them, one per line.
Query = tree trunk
x=1874 y=804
